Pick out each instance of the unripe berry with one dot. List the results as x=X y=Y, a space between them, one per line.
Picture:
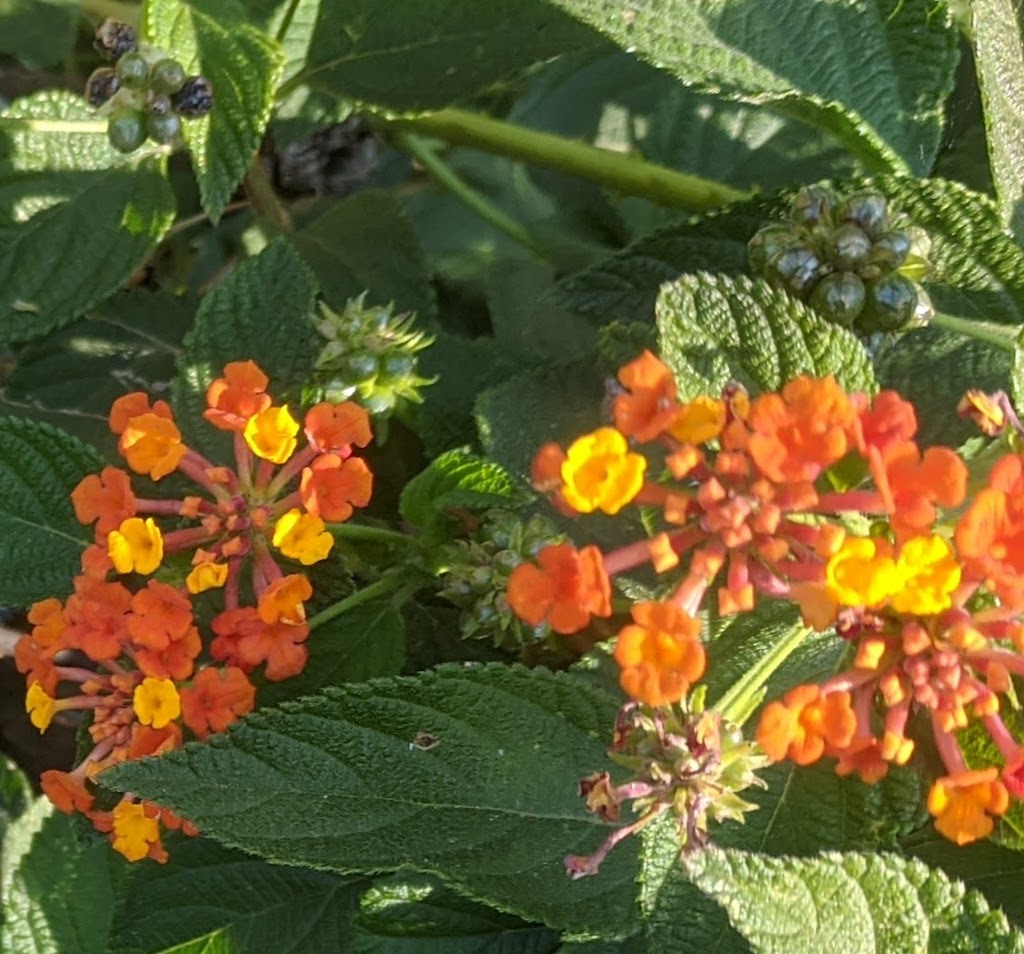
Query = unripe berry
x=839 y=297
x=114 y=39
x=101 y=86
x=848 y=247
x=767 y=243
x=167 y=76
x=892 y=303
x=891 y=250
x=195 y=98
x=163 y=128
x=812 y=206
x=126 y=129
x=796 y=268
x=133 y=71
x=866 y=209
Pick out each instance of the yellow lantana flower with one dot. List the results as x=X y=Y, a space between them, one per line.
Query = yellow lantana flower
x=600 y=473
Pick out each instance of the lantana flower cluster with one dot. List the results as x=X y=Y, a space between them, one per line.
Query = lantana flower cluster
x=756 y=498
x=149 y=673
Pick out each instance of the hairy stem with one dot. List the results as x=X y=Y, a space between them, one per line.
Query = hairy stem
x=265 y=203
x=1001 y=336
x=383 y=586
x=620 y=173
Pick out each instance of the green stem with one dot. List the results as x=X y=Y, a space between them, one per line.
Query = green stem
x=444 y=174
x=265 y=203
x=743 y=697
x=355 y=531
x=90 y=127
x=620 y=173
x=383 y=586
x=130 y=13
x=998 y=335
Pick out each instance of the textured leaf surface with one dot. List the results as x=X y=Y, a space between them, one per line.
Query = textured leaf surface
x=57 y=892
x=38 y=32
x=415 y=914
x=714 y=329
x=41 y=542
x=423 y=54
x=208 y=894
x=457 y=479
x=214 y=38
x=851 y=903
x=261 y=311
x=15 y=794
x=338 y=781
x=367 y=242
x=873 y=74
x=999 y=53
x=76 y=217
x=364 y=643
x=71 y=377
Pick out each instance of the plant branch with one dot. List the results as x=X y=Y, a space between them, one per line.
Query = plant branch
x=625 y=174
x=265 y=203
x=445 y=175
x=383 y=586
x=1001 y=336
x=744 y=696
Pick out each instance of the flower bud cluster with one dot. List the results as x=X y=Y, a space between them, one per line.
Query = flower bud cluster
x=155 y=670
x=852 y=259
x=477 y=576
x=145 y=94
x=371 y=355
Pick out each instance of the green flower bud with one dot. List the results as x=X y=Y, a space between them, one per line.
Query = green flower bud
x=167 y=76
x=796 y=269
x=839 y=297
x=848 y=247
x=812 y=206
x=126 y=129
x=866 y=209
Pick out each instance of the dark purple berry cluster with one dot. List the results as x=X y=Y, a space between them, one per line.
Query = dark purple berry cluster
x=145 y=93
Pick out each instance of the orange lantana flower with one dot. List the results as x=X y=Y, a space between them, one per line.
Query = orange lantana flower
x=660 y=654
x=331 y=486
x=66 y=791
x=565 y=591
x=106 y=498
x=216 y=699
x=649 y=405
x=237 y=396
x=964 y=804
x=804 y=722
x=801 y=431
x=152 y=445
x=334 y=428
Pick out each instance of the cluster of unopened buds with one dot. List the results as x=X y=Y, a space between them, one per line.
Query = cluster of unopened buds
x=757 y=498
x=147 y=670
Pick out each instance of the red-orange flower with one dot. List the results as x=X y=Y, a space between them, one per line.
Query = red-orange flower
x=244 y=640
x=649 y=405
x=106 y=498
x=334 y=428
x=660 y=654
x=135 y=405
x=914 y=483
x=216 y=699
x=332 y=485
x=66 y=791
x=237 y=396
x=566 y=590
x=804 y=722
x=799 y=432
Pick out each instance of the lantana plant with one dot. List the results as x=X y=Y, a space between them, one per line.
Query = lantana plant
x=539 y=476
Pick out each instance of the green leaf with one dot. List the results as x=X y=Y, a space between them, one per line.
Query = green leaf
x=364 y=643
x=262 y=311
x=58 y=892
x=41 y=542
x=995 y=871
x=71 y=377
x=921 y=358
x=208 y=894
x=215 y=39
x=367 y=242
x=715 y=329
x=456 y=480
x=401 y=56
x=416 y=914
x=806 y=59
x=549 y=404
x=76 y=217
x=851 y=903
x=38 y=32
x=491 y=807
x=999 y=53
x=15 y=794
